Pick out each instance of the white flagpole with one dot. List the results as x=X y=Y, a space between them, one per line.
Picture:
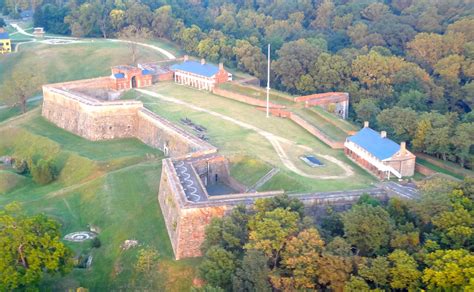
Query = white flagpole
x=268 y=83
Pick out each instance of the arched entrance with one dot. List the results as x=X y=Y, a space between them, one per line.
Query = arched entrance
x=134 y=82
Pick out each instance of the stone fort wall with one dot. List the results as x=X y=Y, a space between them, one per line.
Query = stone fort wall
x=185 y=220
x=97 y=120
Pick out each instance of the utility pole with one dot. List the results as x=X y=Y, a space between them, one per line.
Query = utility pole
x=268 y=83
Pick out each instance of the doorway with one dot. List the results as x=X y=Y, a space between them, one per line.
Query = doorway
x=134 y=82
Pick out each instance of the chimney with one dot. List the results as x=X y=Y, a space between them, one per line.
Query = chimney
x=383 y=134
x=186 y=57
x=366 y=124
x=403 y=148
x=203 y=61
x=221 y=66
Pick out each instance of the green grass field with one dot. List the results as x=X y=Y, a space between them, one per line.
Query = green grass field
x=240 y=144
x=87 y=59
x=109 y=184
x=275 y=97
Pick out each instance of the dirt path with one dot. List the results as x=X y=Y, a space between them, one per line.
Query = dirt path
x=273 y=139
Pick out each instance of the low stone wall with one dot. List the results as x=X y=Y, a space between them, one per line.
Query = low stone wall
x=244 y=98
x=424 y=170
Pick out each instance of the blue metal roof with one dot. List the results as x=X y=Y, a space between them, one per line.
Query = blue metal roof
x=370 y=140
x=207 y=70
x=4 y=36
x=119 y=75
x=147 y=72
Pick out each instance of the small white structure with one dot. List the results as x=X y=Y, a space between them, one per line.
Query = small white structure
x=38 y=32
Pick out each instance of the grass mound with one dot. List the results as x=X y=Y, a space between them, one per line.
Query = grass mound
x=10 y=180
x=248 y=170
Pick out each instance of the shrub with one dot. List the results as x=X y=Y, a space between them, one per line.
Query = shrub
x=21 y=166
x=43 y=171
x=95 y=243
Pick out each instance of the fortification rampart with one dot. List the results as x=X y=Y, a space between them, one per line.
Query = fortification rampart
x=194 y=165
x=96 y=119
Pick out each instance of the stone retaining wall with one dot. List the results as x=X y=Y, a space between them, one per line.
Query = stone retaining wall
x=316 y=132
x=244 y=98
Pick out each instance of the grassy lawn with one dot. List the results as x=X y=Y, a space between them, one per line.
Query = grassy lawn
x=279 y=98
x=344 y=125
x=326 y=127
x=438 y=169
x=87 y=59
x=236 y=142
x=112 y=185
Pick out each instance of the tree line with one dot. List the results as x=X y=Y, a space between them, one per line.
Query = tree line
x=411 y=54
x=373 y=246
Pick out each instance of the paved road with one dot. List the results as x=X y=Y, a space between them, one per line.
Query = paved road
x=405 y=191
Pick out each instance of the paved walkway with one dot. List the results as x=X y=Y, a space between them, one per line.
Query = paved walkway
x=275 y=140
x=162 y=51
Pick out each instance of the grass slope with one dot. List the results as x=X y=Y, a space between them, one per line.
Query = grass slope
x=112 y=185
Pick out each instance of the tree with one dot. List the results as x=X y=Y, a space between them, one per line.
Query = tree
x=366 y=110
x=413 y=99
x=162 y=21
x=367 y=227
x=400 y=123
x=356 y=284
x=323 y=15
x=455 y=226
x=404 y=272
x=449 y=270
x=217 y=267
x=328 y=73
x=42 y=171
x=294 y=60
x=280 y=201
x=24 y=82
x=375 y=11
x=250 y=58
x=229 y=232
x=132 y=35
x=376 y=272
x=428 y=48
x=339 y=247
x=300 y=257
x=462 y=143
x=30 y=248
x=253 y=274
x=334 y=271
x=269 y=231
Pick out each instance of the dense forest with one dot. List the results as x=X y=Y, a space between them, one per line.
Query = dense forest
x=401 y=245
x=407 y=64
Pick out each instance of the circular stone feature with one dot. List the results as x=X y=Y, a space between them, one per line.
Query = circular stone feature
x=80 y=236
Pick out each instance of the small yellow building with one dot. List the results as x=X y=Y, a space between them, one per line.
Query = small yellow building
x=5 y=42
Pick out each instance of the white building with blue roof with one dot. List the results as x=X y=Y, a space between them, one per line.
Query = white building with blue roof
x=380 y=155
x=200 y=74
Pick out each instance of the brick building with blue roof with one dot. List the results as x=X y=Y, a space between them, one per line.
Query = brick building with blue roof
x=200 y=74
x=380 y=155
